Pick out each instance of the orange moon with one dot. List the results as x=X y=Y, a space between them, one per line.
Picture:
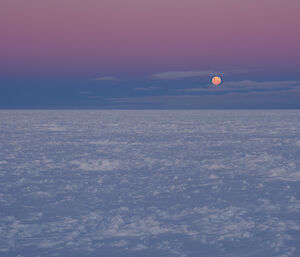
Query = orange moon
x=216 y=80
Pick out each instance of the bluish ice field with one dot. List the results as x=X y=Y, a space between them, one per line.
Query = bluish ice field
x=150 y=183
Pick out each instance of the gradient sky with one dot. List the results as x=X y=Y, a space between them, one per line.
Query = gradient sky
x=149 y=54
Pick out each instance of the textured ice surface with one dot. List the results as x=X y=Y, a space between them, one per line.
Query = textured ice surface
x=150 y=183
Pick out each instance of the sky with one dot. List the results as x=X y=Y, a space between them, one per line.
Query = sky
x=142 y=54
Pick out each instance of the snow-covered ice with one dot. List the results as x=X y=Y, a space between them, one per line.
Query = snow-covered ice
x=150 y=183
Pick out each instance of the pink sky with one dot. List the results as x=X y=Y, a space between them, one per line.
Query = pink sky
x=129 y=36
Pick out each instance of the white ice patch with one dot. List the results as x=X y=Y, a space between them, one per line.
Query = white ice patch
x=97 y=165
x=120 y=243
x=214 y=166
x=213 y=176
x=283 y=174
x=106 y=142
x=48 y=244
x=55 y=127
x=140 y=247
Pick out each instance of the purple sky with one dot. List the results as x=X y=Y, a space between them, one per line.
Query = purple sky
x=123 y=53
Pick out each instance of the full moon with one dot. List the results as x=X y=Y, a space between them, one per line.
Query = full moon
x=216 y=80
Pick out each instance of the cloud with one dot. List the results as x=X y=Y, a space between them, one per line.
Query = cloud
x=247 y=85
x=145 y=88
x=250 y=84
x=257 y=100
x=182 y=74
x=84 y=92
x=234 y=94
x=172 y=75
x=111 y=78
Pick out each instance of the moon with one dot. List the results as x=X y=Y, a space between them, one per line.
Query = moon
x=216 y=80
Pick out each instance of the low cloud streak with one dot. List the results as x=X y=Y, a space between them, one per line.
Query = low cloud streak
x=106 y=78
x=247 y=85
x=173 y=75
x=170 y=75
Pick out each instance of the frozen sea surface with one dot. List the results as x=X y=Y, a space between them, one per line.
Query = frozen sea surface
x=150 y=183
